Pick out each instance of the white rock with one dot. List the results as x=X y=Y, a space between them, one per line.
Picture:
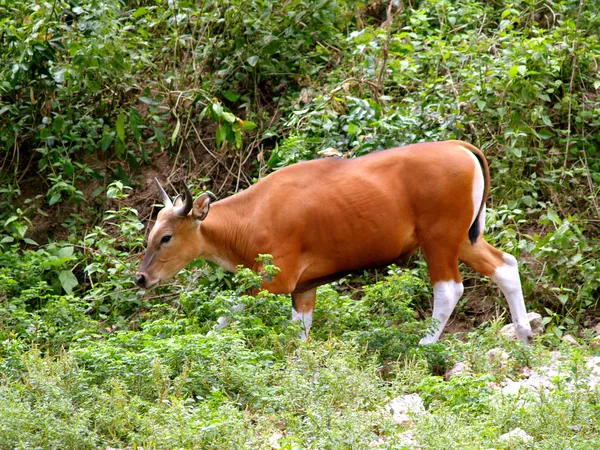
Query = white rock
x=540 y=381
x=497 y=355
x=404 y=420
x=460 y=368
x=535 y=321
x=402 y=406
x=597 y=329
x=593 y=365
x=408 y=439
x=516 y=435
x=569 y=339
x=511 y=387
x=274 y=440
x=526 y=372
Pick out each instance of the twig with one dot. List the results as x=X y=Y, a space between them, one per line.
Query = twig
x=386 y=47
x=591 y=184
x=237 y=181
x=574 y=50
x=214 y=156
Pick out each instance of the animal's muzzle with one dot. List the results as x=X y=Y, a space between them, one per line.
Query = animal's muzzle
x=140 y=279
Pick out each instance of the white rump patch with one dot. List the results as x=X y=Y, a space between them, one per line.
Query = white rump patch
x=478 y=190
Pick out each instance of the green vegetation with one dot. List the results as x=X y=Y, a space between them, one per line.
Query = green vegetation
x=96 y=97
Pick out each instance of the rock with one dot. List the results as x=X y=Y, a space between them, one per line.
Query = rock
x=498 y=356
x=402 y=406
x=526 y=372
x=539 y=381
x=408 y=439
x=274 y=440
x=516 y=435
x=593 y=365
x=570 y=339
x=511 y=387
x=461 y=368
x=597 y=329
x=535 y=321
x=595 y=343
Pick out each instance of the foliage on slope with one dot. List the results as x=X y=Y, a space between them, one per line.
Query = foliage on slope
x=94 y=93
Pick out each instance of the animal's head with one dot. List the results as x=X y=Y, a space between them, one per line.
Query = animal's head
x=174 y=241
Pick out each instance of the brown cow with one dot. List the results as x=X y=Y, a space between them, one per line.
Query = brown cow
x=323 y=219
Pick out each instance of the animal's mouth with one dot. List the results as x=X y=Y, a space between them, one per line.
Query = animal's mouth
x=151 y=284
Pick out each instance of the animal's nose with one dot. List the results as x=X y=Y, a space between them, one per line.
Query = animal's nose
x=140 y=279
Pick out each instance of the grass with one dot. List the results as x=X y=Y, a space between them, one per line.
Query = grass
x=202 y=390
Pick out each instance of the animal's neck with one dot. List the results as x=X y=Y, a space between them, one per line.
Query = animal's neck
x=225 y=242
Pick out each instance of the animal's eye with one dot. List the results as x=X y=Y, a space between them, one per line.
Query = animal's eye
x=165 y=239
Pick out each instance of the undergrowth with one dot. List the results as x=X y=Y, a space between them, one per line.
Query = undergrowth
x=96 y=97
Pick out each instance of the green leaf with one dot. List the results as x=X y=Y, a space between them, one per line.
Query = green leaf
x=149 y=101
x=30 y=241
x=67 y=280
x=252 y=60
x=9 y=220
x=120 y=148
x=140 y=12
x=512 y=72
x=218 y=109
x=232 y=97
x=175 y=132
x=135 y=121
x=248 y=125
x=54 y=198
x=228 y=117
x=20 y=228
x=220 y=135
x=107 y=140
x=121 y=126
x=7 y=239
x=68 y=167
x=554 y=217
x=65 y=252
x=545 y=134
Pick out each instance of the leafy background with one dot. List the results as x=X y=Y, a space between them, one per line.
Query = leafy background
x=98 y=97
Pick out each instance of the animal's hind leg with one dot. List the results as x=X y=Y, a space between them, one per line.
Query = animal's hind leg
x=442 y=263
x=502 y=268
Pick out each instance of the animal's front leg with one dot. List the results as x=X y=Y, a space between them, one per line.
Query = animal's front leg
x=303 y=305
x=223 y=321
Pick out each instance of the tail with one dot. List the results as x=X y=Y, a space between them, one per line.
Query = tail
x=477 y=225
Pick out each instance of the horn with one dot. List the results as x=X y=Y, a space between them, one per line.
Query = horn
x=163 y=195
x=188 y=201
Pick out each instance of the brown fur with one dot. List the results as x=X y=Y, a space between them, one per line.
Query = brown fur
x=324 y=218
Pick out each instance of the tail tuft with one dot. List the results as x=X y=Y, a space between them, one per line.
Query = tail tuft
x=476 y=227
x=474 y=231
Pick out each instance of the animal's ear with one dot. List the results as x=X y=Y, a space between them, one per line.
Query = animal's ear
x=201 y=207
x=178 y=200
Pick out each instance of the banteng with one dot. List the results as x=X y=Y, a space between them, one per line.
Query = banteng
x=323 y=219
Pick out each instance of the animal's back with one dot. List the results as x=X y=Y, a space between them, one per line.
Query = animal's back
x=338 y=215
